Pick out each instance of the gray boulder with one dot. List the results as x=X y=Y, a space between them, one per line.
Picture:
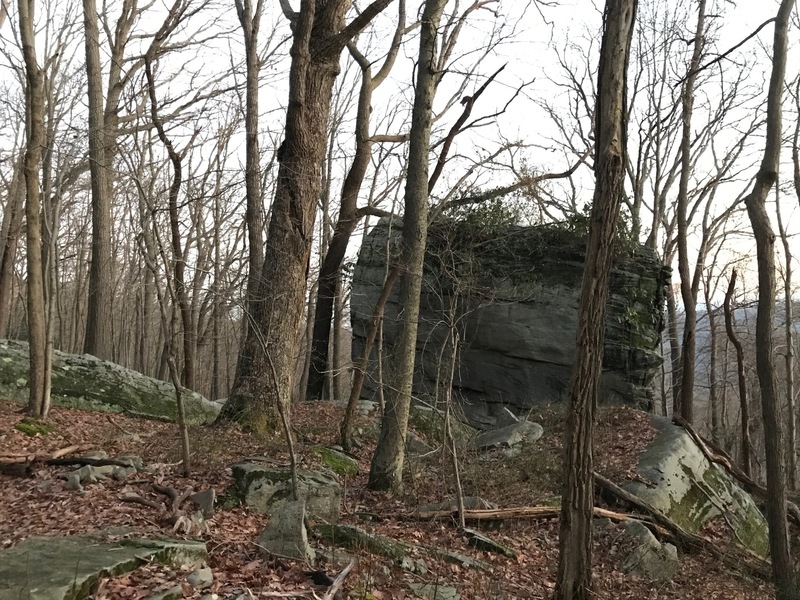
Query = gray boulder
x=84 y=381
x=286 y=535
x=435 y=591
x=519 y=335
x=656 y=561
x=262 y=486
x=691 y=491
x=509 y=436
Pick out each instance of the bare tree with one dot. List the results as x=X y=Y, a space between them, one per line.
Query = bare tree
x=319 y=36
x=386 y=470
x=574 y=579
x=780 y=551
x=39 y=400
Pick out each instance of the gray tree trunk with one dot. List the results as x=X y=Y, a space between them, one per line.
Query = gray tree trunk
x=574 y=578
x=98 y=340
x=689 y=298
x=386 y=471
x=767 y=176
x=39 y=401
x=266 y=367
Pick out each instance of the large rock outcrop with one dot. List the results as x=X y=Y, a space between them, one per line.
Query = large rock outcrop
x=518 y=290
x=83 y=381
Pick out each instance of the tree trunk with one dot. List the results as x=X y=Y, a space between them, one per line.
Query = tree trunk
x=349 y=216
x=676 y=365
x=744 y=406
x=98 y=340
x=277 y=309
x=713 y=401
x=574 y=579
x=386 y=471
x=689 y=298
x=767 y=176
x=788 y=357
x=250 y=20
x=39 y=402
x=12 y=228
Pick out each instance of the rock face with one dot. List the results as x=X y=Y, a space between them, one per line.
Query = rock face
x=691 y=491
x=88 y=382
x=518 y=295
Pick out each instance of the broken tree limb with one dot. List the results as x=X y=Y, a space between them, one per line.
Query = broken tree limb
x=29 y=457
x=94 y=462
x=337 y=583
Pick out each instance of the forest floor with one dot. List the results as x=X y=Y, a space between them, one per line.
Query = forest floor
x=37 y=503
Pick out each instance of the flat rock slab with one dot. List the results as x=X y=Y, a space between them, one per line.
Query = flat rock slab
x=66 y=568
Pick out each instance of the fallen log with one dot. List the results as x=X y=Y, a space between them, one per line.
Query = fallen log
x=27 y=457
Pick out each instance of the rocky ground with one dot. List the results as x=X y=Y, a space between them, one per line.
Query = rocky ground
x=36 y=501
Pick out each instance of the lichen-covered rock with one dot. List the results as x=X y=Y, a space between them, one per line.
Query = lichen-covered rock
x=521 y=305
x=262 y=486
x=691 y=491
x=66 y=568
x=84 y=381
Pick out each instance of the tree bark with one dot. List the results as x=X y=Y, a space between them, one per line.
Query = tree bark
x=744 y=406
x=386 y=470
x=689 y=298
x=12 y=216
x=250 y=21
x=574 y=578
x=349 y=215
x=98 y=340
x=319 y=36
x=39 y=402
x=767 y=176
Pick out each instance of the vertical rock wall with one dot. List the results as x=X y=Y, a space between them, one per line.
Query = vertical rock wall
x=518 y=290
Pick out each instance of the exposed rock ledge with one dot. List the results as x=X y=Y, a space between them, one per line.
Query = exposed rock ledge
x=519 y=334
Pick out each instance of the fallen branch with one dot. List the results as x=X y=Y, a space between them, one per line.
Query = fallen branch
x=337 y=583
x=137 y=499
x=23 y=457
x=94 y=462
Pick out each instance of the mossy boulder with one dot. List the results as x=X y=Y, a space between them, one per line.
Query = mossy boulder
x=337 y=460
x=83 y=381
x=691 y=491
x=262 y=486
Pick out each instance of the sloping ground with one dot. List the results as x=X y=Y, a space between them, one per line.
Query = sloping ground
x=37 y=503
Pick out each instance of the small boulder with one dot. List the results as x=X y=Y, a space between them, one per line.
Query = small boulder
x=470 y=503
x=657 y=561
x=434 y=591
x=262 y=486
x=337 y=460
x=201 y=579
x=509 y=436
x=286 y=535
